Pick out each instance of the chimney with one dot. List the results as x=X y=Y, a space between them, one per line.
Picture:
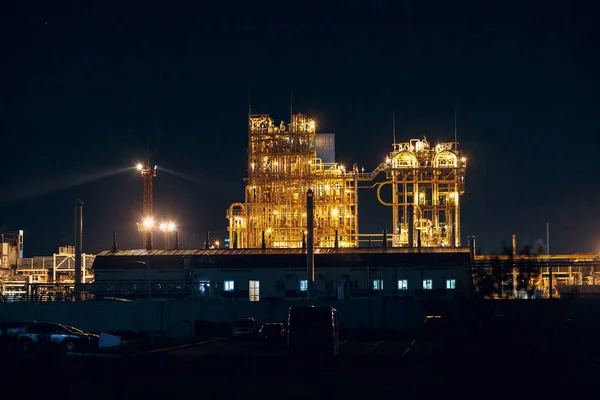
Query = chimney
x=114 y=248
x=310 y=243
x=472 y=247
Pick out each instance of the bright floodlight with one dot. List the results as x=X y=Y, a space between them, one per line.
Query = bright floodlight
x=139 y=166
x=148 y=223
x=163 y=227
x=171 y=226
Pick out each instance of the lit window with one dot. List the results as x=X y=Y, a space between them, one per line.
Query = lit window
x=377 y=284
x=427 y=284
x=229 y=286
x=303 y=286
x=402 y=284
x=450 y=283
x=254 y=291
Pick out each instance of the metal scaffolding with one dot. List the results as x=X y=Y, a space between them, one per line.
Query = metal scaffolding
x=282 y=165
x=426 y=185
x=285 y=161
x=58 y=268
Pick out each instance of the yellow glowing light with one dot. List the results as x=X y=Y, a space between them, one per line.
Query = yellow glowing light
x=148 y=223
x=139 y=167
x=171 y=226
x=463 y=159
x=163 y=227
x=335 y=212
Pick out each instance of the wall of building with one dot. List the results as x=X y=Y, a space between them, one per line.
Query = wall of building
x=331 y=282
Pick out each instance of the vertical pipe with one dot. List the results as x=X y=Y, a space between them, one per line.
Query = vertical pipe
x=336 y=244
x=547 y=238
x=514 y=266
x=176 y=240
x=457 y=222
x=472 y=247
x=207 y=244
x=411 y=225
x=149 y=240
x=355 y=214
x=263 y=243
x=78 y=245
x=384 y=243
x=114 y=246
x=310 y=245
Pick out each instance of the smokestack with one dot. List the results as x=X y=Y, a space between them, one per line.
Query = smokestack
x=78 y=245
x=264 y=243
x=384 y=244
x=167 y=239
x=207 y=244
x=411 y=225
x=114 y=248
x=149 y=241
x=472 y=247
x=310 y=251
x=337 y=241
x=514 y=247
x=176 y=240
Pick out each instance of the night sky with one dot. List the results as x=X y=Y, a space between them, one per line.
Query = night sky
x=86 y=88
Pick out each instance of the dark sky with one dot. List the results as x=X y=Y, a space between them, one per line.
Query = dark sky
x=85 y=86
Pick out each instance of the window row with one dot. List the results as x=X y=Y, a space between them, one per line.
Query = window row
x=254 y=286
x=403 y=284
x=253 y=292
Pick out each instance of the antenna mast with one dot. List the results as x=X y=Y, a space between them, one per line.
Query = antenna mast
x=394 y=125
x=291 y=105
x=455 y=132
x=249 y=101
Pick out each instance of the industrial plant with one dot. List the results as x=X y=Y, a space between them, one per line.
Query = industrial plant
x=296 y=235
x=285 y=161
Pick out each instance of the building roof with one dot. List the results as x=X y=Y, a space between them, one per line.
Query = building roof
x=273 y=258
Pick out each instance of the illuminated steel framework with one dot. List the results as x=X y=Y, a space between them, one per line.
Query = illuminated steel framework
x=426 y=184
x=282 y=166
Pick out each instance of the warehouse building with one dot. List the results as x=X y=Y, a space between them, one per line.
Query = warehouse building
x=281 y=274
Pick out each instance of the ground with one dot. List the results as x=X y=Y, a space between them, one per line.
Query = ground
x=512 y=363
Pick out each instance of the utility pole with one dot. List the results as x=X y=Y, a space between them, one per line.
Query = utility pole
x=310 y=244
x=78 y=246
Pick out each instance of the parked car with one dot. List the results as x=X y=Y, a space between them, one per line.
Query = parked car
x=272 y=333
x=48 y=335
x=313 y=330
x=8 y=330
x=244 y=328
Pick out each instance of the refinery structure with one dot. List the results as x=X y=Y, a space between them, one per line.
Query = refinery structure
x=272 y=244
x=284 y=161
